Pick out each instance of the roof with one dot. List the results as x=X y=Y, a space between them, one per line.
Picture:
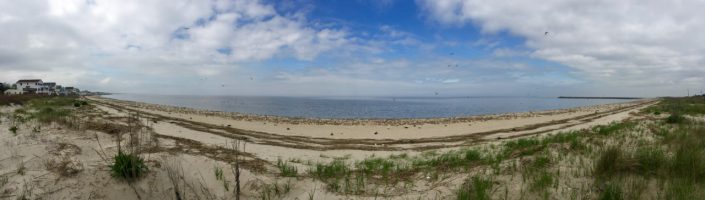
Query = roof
x=29 y=80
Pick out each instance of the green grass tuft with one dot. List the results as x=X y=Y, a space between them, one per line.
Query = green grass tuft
x=613 y=161
x=612 y=192
x=128 y=166
x=651 y=160
x=285 y=169
x=475 y=188
x=336 y=168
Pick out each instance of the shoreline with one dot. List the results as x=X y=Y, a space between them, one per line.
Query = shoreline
x=364 y=121
x=437 y=130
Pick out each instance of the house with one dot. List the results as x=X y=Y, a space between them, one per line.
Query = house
x=48 y=88
x=60 y=90
x=72 y=91
x=31 y=86
x=13 y=92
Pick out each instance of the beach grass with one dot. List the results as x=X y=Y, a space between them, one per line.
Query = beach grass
x=286 y=169
x=128 y=166
x=19 y=99
x=475 y=188
x=625 y=158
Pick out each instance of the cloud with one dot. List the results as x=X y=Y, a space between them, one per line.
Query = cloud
x=424 y=76
x=627 y=44
x=455 y=80
x=45 y=38
x=106 y=80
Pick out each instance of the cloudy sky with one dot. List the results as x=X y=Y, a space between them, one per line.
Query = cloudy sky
x=358 y=47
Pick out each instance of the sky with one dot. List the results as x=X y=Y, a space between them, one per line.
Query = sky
x=358 y=47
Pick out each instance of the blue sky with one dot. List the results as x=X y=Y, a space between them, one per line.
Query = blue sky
x=357 y=47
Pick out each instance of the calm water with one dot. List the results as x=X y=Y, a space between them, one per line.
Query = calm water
x=370 y=107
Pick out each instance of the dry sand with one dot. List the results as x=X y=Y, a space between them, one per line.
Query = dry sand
x=366 y=129
x=196 y=141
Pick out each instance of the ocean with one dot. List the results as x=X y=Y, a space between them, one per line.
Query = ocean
x=364 y=107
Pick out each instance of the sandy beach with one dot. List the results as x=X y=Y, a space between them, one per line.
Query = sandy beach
x=504 y=125
x=198 y=141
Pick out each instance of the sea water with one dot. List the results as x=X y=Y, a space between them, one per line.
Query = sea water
x=364 y=107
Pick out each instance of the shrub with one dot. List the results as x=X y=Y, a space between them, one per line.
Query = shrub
x=13 y=129
x=128 y=166
x=675 y=118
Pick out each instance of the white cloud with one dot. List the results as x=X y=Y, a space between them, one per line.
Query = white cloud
x=626 y=43
x=45 y=38
x=447 y=81
x=106 y=80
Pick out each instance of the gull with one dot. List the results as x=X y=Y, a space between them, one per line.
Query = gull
x=546 y=33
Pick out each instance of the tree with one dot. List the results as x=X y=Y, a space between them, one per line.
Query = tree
x=3 y=87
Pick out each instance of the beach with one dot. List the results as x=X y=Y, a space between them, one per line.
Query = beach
x=199 y=141
x=503 y=125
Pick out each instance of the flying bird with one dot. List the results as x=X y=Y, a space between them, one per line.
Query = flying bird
x=546 y=33
x=436 y=93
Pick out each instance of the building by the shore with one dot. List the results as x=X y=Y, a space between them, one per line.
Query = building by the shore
x=37 y=86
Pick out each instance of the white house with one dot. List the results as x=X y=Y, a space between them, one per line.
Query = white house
x=14 y=92
x=59 y=90
x=30 y=85
x=48 y=88
x=72 y=90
